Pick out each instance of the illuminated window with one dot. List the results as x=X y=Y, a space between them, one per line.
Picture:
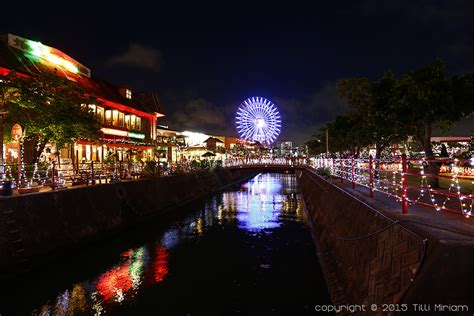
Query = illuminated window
x=92 y=108
x=138 y=123
x=115 y=120
x=127 y=121
x=128 y=93
x=132 y=121
x=121 y=119
x=100 y=114
x=88 y=152
x=108 y=117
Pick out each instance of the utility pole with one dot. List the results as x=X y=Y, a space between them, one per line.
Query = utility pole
x=327 y=143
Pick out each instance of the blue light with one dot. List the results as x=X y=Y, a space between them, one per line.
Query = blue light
x=259 y=207
x=258 y=120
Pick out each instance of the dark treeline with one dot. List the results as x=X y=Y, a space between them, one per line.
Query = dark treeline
x=390 y=110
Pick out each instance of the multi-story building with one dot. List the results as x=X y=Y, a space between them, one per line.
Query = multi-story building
x=128 y=119
x=168 y=144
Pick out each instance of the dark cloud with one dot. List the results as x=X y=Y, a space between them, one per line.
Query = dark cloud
x=301 y=117
x=202 y=116
x=448 y=22
x=139 y=56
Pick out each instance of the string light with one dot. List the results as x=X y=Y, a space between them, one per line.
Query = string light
x=394 y=186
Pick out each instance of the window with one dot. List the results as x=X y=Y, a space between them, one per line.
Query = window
x=92 y=108
x=115 y=120
x=128 y=93
x=108 y=117
x=100 y=114
x=127 y=121
x=138 y=123
x=121 y=119
x=132 y=122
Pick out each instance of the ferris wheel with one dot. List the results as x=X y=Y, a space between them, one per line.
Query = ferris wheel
x=258 y=120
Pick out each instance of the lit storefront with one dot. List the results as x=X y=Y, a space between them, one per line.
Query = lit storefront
x=128 y=119
x=169 y=144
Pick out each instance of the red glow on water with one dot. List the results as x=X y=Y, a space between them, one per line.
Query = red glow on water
x=127 y=254
x=161 y=263
x=114 y=281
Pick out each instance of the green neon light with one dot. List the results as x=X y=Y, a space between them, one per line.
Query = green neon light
x=39 y=50
x=136 y=135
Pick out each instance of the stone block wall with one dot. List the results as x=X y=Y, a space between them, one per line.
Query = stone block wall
x=366 y=258
x=36 y=225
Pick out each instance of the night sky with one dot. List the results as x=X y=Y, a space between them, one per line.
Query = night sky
x=203 y=61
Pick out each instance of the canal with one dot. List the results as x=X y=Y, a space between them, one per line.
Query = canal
x=245 y=251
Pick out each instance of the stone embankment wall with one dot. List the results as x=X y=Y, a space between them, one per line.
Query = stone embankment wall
x=366 y=258
x=39 y=224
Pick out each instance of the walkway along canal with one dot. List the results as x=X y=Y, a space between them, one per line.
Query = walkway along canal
x=246 y=250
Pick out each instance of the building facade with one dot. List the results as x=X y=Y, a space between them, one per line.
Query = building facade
x=128 y=119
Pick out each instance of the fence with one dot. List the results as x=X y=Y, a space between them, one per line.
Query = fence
x=406 y=180
x=448 y=187
x=54 y=175
x=33 y=178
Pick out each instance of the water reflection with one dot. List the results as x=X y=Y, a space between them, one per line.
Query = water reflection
x=115 y=285
x=261 y=204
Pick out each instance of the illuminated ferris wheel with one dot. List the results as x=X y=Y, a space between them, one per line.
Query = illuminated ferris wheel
x=258 y=120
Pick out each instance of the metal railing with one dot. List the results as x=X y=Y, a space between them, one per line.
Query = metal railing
x=407 y=180
x=442 y=184
x=54 y=175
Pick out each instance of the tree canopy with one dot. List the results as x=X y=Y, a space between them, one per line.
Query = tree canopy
x=50 y=109
x=389 y=110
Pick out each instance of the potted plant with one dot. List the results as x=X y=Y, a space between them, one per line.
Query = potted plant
x=30 y=187
x=324 y=172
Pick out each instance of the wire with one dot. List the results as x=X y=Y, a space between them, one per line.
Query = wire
x=402 y=221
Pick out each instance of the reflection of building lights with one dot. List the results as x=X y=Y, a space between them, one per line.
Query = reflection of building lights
x=136 y=267
x=199 y=226
x=161 y=263
x=115 y=281
x=260 y=207
x=170 y=238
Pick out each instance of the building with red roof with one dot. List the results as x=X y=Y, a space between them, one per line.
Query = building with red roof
x=128 y=119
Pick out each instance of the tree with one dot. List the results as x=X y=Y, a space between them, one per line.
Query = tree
x=374 y=110
x=50 y=109
x=345 y=134
x=429 y=98
x=7 y=94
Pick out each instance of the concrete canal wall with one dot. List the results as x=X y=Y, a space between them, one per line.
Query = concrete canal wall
x=38 y=224
x=369 y=259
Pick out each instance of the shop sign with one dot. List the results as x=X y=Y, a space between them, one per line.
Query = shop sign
x=17 y=132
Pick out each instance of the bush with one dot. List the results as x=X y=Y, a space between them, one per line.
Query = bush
x=324 y=171
x=151 y=169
